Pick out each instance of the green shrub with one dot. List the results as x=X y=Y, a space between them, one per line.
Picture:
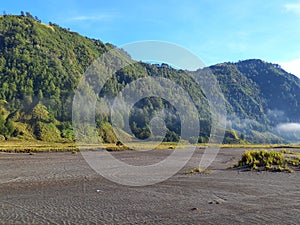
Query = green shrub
x=46 y=132
x=107 y=133
x=119 y=143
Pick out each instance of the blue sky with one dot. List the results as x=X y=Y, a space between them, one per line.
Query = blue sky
x=215 y=30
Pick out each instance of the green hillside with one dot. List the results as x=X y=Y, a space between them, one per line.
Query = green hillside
x=41 y=65
x=260 y=96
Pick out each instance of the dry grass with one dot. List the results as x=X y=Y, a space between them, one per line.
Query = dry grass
x=25 y=146
x=275 y=161
x=48 y=26
x=198 y=170
x=35 y=146
x=146 y=146
x=259 y=146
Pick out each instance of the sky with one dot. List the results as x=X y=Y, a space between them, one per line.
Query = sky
x=215 y=30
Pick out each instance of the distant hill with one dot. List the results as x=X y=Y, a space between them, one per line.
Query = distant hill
x=260 y=96
x=41 y=64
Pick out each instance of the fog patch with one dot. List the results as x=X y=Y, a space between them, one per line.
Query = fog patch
x=276 y=116
x=290 y=131
x=288 y=127
x=242 y=125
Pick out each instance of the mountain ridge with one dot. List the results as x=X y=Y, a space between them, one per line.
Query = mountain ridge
x=41 y=65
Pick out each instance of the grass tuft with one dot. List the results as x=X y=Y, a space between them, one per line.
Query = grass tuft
x=74 y=152
x=198 y=170
x=274 y=161
x=117 y=148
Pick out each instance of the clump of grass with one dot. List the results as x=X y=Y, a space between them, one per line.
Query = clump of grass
x=74 y=152
x=119 y=143
x=260 y=160
x=117 y=148
x=285 y=151
x=198 y=170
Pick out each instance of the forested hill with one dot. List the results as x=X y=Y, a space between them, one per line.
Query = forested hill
x=41 y=64
x=261 y=97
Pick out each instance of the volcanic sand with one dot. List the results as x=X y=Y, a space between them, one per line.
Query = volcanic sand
x=61 y=188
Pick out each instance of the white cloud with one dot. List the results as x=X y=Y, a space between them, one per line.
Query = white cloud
x=292 y=7
x=292 y=67
x=99 y=17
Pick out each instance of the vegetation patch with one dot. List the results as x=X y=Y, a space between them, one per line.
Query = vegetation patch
x=36 y=146
x=117 y=148
x=259 y=146
x=274 y=161
x=198 y=170
x=47 y=132
x=74 y=152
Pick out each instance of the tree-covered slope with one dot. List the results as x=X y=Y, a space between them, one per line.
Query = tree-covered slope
x=41 y=61
x=280 y=89
x=41 y=65
x=260 y=95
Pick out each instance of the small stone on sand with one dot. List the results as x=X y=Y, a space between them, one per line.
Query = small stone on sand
x=195 y=209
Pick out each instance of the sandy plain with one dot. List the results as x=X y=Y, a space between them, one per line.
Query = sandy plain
x=61 y=188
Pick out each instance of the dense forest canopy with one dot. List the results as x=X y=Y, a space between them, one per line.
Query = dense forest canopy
x=41 y=65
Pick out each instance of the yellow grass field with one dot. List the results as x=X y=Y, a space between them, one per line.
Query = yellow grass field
x=40 y=146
